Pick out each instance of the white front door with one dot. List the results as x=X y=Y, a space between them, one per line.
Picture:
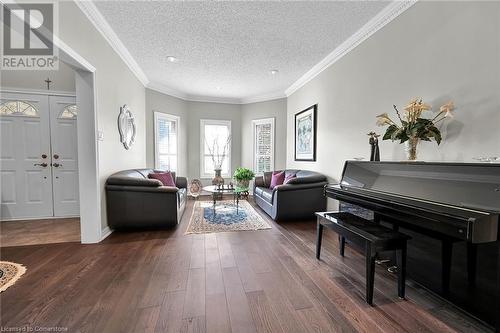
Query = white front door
x=26 y=177
x=64 y=144
x=38 y=156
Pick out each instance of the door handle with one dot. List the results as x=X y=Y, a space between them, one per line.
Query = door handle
x=41 y=164
x=56 y=165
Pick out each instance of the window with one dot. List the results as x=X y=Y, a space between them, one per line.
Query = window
x=69 y=112
x=18 y=108
x=263 y=138
x=215 y=147
x=166 y=141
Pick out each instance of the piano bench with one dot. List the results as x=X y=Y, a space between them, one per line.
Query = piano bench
x=370 y=236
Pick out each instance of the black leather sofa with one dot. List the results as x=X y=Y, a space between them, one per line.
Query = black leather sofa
x=300 y=198
x=133 y=200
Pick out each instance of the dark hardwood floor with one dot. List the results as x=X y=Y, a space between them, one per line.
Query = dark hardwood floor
x=251 y=281
x=46 y=231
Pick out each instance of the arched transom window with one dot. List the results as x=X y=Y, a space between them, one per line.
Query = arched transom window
x=18 y=108
x=69 y=112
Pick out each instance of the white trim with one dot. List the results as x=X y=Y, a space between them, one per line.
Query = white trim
x=213 y=99
x=263 y=98
x=159 y=87
x=21 y=219
x=170 y=117
x=223 y=122
x=273 y=136
x=38 y=92
x=100 y=23
x=389 y=13
x=105 y=233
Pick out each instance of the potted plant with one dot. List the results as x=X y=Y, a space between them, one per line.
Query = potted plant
x=414 y=127
x=243 y=176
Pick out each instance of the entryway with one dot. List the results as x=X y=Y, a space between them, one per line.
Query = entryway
x=38 y=156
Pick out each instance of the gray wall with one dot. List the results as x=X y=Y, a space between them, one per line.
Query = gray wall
x=158 y=102
x=62 y=79
x=115 y=85
x=190 y=114
x=271 y=109
x=440 y=51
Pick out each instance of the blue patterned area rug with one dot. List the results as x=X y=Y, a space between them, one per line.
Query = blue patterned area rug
x=226 y=217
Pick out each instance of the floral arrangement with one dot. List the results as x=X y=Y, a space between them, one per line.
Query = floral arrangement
x=218 y=153
x=413 y=126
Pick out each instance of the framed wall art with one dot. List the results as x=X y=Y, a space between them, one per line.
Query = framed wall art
x=305 y=134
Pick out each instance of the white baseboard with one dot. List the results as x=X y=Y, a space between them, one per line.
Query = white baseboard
x=105 y=233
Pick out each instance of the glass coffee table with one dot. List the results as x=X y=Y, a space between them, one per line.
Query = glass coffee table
x=218 y=192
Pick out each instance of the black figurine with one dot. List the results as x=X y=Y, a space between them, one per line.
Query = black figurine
x=375 y=151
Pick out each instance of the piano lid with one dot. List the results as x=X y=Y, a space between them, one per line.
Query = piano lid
x=473 y=185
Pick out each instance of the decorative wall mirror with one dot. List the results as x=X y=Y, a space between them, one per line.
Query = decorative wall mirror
x=126 y=127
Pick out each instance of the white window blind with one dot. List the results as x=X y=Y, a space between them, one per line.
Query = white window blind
x=215 y=147
x=166 y=141
x=263 y=145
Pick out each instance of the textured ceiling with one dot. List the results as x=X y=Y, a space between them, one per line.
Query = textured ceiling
x=226 y=49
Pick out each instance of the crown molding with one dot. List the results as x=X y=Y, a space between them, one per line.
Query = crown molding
x=263 y=98
x=100 y=23
x=389 y=13
x=161 y=88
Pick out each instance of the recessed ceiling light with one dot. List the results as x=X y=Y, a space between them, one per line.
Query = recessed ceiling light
x=218 y=88
x=274 y=71
x=172 y=59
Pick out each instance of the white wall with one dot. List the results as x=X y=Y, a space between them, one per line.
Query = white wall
x=115 y=86
x=158 y=102
x=62 y=79
x=270 y=109
x=440 y=51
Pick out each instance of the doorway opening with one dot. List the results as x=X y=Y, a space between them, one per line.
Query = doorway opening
x=79 y=191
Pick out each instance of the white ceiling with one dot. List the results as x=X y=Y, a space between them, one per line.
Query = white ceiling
x=227 y=49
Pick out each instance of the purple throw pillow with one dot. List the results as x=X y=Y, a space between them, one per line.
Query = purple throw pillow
x=164 y=177
x=289 y=177
x=277 y=179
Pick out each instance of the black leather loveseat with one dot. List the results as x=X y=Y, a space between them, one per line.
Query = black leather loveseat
x=133 y=200
x=300 y=198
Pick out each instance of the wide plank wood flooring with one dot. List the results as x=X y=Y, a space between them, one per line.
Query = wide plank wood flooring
x=250 y=281
x=46 y=231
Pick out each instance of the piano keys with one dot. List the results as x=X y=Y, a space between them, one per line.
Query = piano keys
x=451 y=210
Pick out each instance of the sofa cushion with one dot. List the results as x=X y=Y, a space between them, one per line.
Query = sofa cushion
x=289 y=177
x=266 y=194
x=277 y=178
x=165 y=177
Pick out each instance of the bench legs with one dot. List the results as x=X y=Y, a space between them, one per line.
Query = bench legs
x=319 y=236
x=342 y=245
x=370 y=272
x=401 y=262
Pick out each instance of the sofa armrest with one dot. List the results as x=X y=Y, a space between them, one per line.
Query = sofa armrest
x=181 y=182
x=159 y=189
x=131 y=181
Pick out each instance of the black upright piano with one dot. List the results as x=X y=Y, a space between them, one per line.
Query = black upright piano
x=451 y=211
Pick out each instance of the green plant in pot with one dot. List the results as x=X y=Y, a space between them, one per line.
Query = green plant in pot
x=243 y=176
